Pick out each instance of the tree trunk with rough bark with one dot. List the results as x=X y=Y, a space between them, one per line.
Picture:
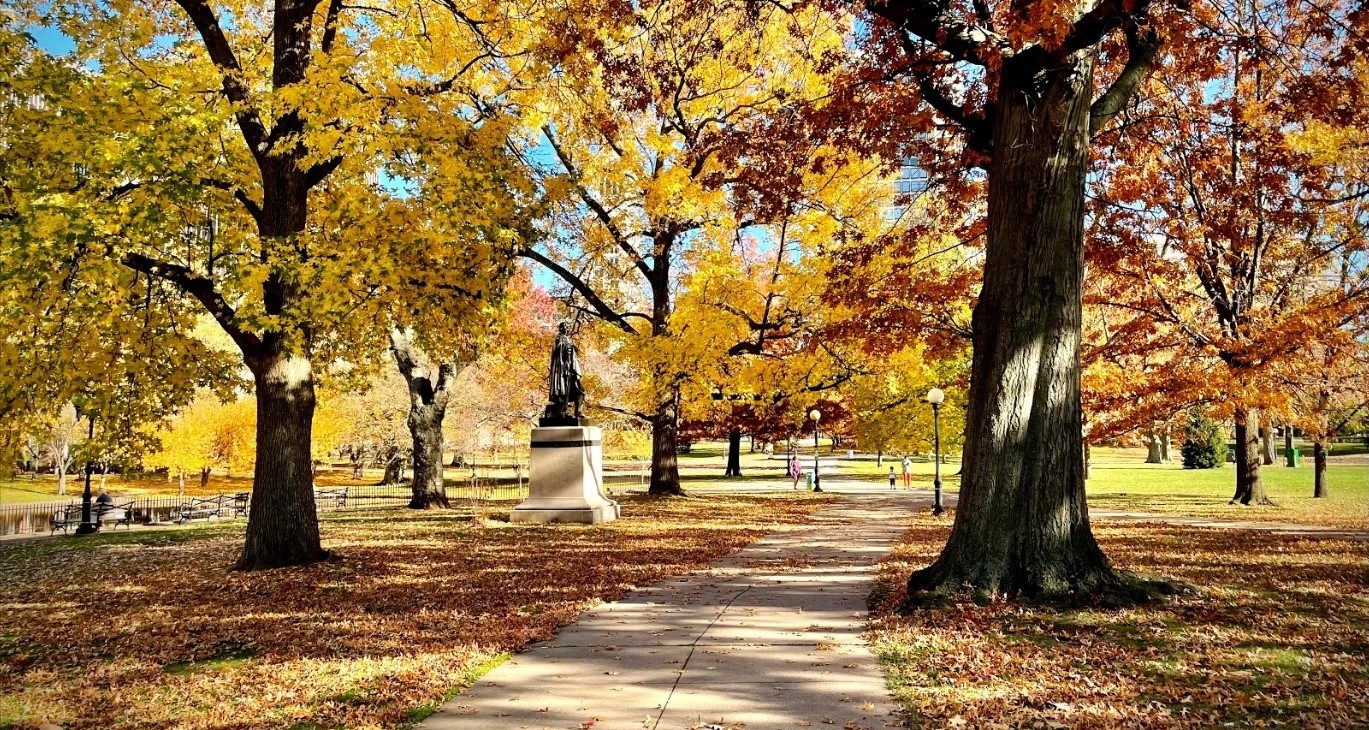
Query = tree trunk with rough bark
x=429 y=391
x=394 y=469
x=1022 y=525
x=204 y=477
x=1320 y=484
x=1153 y=452
x=282 y=524
x=1164 y=448
x=429 y=489
x=1249 y=483
x=665 y=463
x=1268 y=454
x=734 y=453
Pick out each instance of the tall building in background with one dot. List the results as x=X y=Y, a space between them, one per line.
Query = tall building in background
x=909 y=185
x=912 y=179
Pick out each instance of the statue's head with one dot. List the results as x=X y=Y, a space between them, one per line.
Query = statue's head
x=563 y=328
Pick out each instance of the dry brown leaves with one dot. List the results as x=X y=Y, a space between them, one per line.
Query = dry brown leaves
x=153 y=629
x=1277 y=635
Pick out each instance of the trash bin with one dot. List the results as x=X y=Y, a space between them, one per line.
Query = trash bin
x=808 y=479
x=1294 y=457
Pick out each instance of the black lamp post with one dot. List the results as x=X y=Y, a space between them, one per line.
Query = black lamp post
x=88 y=526
x=817 y=478
x=935 y=396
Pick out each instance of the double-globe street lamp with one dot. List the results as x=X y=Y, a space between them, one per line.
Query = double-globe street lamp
x=817 y=479
x=935 y=396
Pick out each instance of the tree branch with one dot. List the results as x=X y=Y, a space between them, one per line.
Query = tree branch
x=601 y=308
x=1143 y=52
x=202 y=289
x=253 y=209
x=935 y=22
x=600 y=211
x=221 y=53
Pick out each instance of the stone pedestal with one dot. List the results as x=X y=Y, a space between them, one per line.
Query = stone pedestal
x=566 y=478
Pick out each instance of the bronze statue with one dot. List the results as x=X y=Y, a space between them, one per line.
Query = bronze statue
x=566 y=392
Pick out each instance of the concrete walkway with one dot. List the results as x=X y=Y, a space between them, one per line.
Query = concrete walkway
x=767 y=638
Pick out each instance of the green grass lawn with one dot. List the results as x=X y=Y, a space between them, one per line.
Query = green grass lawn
x=1171 y=489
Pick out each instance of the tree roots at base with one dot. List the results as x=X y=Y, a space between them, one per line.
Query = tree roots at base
x=1102 y=587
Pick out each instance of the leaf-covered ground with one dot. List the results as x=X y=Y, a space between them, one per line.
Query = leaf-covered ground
x=152 y=629
x=1277 y=635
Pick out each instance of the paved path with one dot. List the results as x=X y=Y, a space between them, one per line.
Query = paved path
x=767 y=638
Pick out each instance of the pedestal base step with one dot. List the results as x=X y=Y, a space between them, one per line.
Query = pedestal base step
x=582 y=515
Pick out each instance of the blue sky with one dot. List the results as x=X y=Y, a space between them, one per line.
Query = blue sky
x=52 y=40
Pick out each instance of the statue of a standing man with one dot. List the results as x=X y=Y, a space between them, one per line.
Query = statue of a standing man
x=564 y=381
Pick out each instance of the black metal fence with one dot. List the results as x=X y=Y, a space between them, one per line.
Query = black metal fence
x=35 y=518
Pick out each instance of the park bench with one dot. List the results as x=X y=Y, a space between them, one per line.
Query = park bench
x=240 y=501
x=202 y=508
x=65 y=518
x=118 y=514
x=336 y=498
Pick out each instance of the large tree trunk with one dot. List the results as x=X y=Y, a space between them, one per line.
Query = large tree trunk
x=1249 y=484
x=427 y=407
x=1320 y=450
x=425 y=425
x=1268 y=454
x=394 y=469
x=428 y=393
x=1022 y=525
x=1164 y=447
x=665 y=465
x=734 y=453
x=1154 y=453
x=282 y=524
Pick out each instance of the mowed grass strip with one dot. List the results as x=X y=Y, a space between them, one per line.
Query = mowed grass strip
x=143 y=630
x=1274 y=636
x=1171 y=489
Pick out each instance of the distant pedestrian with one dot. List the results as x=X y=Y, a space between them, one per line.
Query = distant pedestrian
x=907 y=473
x=891 y=477
x=794 y=472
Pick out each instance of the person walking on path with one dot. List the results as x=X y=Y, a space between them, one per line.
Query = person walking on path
x=794 y=472
x=891 y=478
x=907 y=473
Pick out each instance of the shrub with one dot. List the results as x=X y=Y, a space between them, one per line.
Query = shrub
x=1204 y=444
